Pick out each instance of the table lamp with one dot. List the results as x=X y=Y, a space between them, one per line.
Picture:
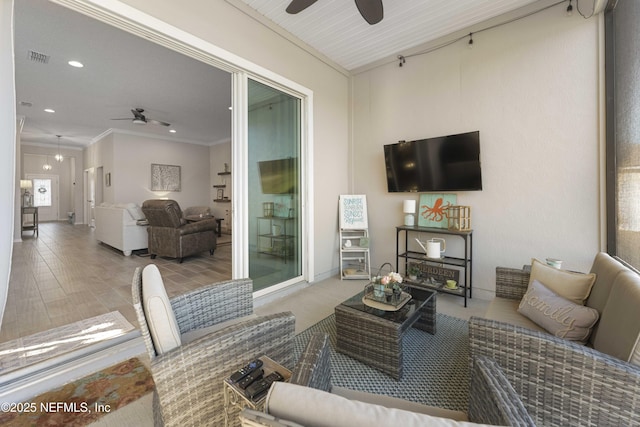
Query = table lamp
x=26 y=185
x=409 y=208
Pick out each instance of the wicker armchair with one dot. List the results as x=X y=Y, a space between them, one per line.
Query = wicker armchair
x=561 y=383
x=492 y=399
x=189 y=378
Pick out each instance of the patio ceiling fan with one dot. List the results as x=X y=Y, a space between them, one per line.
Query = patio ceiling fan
x=140 y=119
x=371 y=10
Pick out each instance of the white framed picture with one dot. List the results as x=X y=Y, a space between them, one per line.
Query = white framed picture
x=353 y=212
x=165 y=177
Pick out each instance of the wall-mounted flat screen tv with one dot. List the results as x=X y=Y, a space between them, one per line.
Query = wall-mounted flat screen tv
x=445 y=163
x=278 y=176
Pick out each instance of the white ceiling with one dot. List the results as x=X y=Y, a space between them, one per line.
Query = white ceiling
x=121 y=71
x=336 y=29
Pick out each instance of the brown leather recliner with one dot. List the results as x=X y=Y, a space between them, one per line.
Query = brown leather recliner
x=172 y=236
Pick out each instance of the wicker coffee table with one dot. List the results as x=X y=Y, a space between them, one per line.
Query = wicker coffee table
x=375 y=336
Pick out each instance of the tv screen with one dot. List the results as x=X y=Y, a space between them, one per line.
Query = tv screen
x=445 y=163
x=278 y=176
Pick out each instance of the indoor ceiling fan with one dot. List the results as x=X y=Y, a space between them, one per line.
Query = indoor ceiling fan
x=140 y=119
x=371 y=10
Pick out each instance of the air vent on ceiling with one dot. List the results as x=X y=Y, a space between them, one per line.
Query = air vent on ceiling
x=38 y=57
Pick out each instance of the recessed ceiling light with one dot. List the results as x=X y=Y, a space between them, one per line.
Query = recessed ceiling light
x=49 y=110
x=76 y=64
x=172 y=130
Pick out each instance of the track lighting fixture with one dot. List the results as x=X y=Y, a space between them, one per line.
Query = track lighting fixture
x=402 y=60
x=570 y=9
x=470 y=44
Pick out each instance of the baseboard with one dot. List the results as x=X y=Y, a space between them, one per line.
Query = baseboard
x=24 y=384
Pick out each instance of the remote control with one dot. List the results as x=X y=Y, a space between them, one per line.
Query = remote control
x=246 y=381
x=246 y=370
x=258 y=388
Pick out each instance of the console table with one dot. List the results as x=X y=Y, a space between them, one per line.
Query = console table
x=31 y=225
x=463 y=263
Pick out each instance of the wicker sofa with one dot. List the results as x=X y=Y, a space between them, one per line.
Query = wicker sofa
x=562 y=382
x=615 y=295
x=309 y=400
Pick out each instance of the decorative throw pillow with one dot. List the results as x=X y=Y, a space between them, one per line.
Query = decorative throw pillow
x=557 y=315
x=573 y=286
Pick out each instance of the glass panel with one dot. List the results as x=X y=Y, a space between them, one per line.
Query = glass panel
x=41 y=192
x=274 y=185
x=625 y=113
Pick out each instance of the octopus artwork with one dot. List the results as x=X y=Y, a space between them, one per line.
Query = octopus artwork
x=437 y=212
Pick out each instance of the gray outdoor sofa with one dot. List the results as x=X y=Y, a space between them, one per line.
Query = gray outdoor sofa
x=561 y=382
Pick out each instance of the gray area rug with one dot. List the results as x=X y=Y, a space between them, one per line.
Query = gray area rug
x=436 y=367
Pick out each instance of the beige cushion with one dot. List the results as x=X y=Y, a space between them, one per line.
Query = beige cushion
x=394 y=402
x=619 y=327
x=315 y=408
x=162 y=322
x=606 y=269
x=558 y=315
x=506 y=310
x=573 y=286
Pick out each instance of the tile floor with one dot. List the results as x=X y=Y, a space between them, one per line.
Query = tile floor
x=65 y=275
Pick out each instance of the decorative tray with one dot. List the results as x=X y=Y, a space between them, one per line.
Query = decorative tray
x=404 y=298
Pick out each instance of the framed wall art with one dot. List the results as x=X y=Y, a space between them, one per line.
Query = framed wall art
x=432 y=209
x=165 y=177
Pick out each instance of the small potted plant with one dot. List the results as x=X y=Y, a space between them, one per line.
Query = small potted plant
x=412 y=271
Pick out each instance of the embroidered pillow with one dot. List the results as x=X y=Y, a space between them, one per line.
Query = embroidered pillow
x=557 y=315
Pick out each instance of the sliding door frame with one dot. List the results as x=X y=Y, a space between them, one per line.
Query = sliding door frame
x=127 y=18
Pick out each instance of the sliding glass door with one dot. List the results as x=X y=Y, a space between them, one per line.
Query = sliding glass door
x=274 y=183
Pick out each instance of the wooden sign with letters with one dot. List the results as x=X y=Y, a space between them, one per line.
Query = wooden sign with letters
x=438 y=274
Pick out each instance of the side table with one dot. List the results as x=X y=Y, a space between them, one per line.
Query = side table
x=234 y=396
x=29 y=225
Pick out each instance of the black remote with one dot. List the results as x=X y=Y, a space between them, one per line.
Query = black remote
x=246 y=370
x=246 y=381
x=258 y=388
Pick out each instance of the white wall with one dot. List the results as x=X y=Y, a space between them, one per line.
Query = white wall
x=8 y=140
x=219 y=23
x=531 y=89
x=128 y=159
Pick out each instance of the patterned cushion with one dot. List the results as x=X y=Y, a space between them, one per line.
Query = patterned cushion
x=573 y=286
x=558 y=315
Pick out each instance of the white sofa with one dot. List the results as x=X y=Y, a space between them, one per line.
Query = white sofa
x=117 y=226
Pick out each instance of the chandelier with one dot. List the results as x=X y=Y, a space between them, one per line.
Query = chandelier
x=58 y=156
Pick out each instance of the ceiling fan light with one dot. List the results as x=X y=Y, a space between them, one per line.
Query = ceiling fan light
x=139 y=121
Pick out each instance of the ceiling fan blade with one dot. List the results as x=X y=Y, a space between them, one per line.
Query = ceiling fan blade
x=371 y=10
x=158 y=122
x=128 y=118
x=299 y=5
